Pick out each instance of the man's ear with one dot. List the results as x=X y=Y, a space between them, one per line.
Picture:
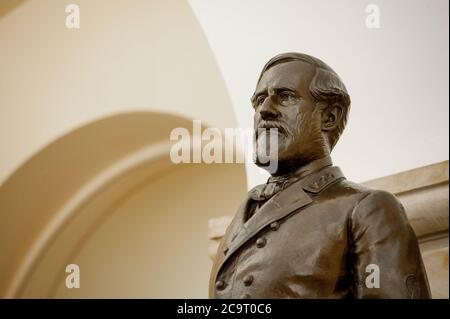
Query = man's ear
x=332 y=116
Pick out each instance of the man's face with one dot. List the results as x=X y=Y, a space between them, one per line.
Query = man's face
x=282 y=100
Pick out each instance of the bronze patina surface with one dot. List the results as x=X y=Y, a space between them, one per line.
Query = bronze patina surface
x=309 y=232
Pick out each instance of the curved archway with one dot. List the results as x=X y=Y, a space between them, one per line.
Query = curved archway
x=107 y=197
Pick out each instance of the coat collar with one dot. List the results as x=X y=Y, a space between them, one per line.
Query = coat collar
x=279 y=206
x=257 y=192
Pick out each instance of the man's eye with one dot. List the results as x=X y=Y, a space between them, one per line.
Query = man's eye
x=260 y=99
x=286 y=96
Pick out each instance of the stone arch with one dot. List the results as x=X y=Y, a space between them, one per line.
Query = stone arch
x=59 y=201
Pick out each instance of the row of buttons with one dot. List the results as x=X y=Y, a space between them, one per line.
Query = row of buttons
x=248 y=280
x=261 y=242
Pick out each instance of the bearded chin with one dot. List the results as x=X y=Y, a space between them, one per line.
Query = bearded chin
x=294 y=153
x=307 y=148
x=267 y=148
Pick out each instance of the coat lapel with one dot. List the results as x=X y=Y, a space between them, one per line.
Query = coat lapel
x=279 y=206
x=236 y=226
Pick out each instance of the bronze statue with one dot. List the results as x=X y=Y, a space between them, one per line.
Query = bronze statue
x=308 y=232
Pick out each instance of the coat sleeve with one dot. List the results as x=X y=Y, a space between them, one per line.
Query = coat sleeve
x=385 y=256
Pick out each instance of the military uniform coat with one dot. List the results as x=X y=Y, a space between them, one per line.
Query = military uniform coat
x=321 y=237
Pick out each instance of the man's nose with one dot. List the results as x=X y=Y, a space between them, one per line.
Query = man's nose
x=268 y=109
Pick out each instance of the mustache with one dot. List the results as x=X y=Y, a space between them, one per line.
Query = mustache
x=282 y=127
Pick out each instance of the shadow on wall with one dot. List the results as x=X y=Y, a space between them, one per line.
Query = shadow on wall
x=8 y=6
x=107 y=198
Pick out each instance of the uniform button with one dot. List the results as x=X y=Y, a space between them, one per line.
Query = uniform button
x=261 y=242
x=246 y=296
x=248 y=280
x=274 y=226
x=225 y=250
x=220 y=284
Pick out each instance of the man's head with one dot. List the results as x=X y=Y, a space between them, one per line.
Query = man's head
x=306 y=101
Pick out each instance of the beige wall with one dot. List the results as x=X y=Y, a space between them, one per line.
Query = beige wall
x=150 y=242
x=82 y=109
x=127 y=56
x=107 y=197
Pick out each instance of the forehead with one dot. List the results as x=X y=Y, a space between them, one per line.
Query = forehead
x=296 y=75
